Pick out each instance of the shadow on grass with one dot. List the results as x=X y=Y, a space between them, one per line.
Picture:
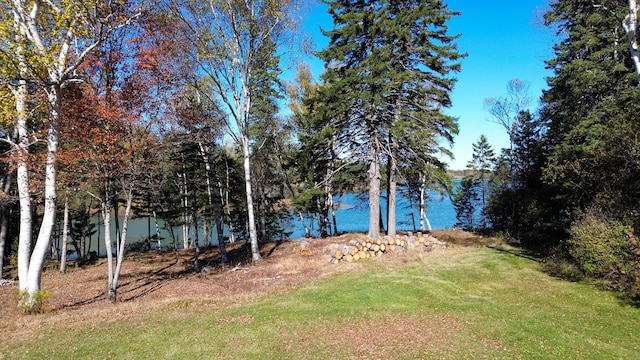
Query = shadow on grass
x=520 y=252
x=563 y=269
x=143 y=284
x=154 y=281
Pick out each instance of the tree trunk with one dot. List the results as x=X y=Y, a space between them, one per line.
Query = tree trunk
x=226 y=203
x=4 y=220
x=253 y=235
x=374 y=191
x=116 y=219
x=113 y=286
x=148 y=223
x=155 y=219
x=54 y=244
x=328 y=201
x=207 y=166
x=39 y=251
x=323 y=217
x=196 y=237
x=221 y=244
x=22 y=180
x=391 y=189
x=335 y=221
x=392 y=169
x=630 y=24
x=65 y=234
x=307 y=231
x=185 y=205
x=205 y=232
x=196 y=244
x=423 y=206
x=329 y=208
x=106 y=221
x=260 y=209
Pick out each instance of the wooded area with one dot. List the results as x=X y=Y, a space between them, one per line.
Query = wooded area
x=179 y=110
x=568 y=186
x=174 y=110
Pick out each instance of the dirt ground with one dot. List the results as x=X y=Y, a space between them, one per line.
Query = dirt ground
x=153 y=278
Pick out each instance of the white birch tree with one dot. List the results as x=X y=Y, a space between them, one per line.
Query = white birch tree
x=50 y=39
x=630 y=24
x=229 y=35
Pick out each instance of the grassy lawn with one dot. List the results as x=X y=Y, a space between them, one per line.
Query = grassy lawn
x=460 y=303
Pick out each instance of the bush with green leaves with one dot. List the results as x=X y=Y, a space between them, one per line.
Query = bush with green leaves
x=605 y=249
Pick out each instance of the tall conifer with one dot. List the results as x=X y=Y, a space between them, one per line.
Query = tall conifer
x=389 y=64
x=591 y=109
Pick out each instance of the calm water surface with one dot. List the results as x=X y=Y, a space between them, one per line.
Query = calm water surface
x=352 y=216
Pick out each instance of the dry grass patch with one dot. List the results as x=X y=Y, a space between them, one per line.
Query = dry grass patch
x=465 y=238
x=156 y=279
x=397 y=336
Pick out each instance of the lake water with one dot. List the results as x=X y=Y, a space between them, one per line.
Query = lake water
x=352 y=216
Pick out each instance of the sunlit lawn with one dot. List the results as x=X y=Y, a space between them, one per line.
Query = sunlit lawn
x=456 y=303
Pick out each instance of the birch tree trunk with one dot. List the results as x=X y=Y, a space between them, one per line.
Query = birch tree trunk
x=423 y=215
x=329 y=209
x=58 y=35
x=105 y=207
x=307 y=231
x=185 y=204
x=39 y=251
x=22 y=181
x=328 y=202
x=65 y=234
x=630 y=24
x=155 y=220
x=253 y=234
x=113 y=284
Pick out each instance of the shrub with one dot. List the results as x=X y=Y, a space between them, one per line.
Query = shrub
x=557 y=263
x=34 y=304
x=605 y=249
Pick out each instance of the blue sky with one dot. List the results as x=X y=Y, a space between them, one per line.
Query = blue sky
x=503 y=39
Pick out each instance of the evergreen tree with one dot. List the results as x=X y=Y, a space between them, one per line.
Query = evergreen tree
x=519 y=201
x=271 y=140
x=482 y=163
x=591 y=111
x=465 y=200
x=321 y=168
x=389 y=64
x=528 y=151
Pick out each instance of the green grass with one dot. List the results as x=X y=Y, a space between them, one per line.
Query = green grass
x=457 y=304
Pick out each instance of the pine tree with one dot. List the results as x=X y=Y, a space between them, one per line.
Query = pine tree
x=465 y=200
x=591 y=110
x=389 y=65
x=482 y=163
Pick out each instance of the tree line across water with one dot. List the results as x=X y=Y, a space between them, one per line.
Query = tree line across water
x=173 y=109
